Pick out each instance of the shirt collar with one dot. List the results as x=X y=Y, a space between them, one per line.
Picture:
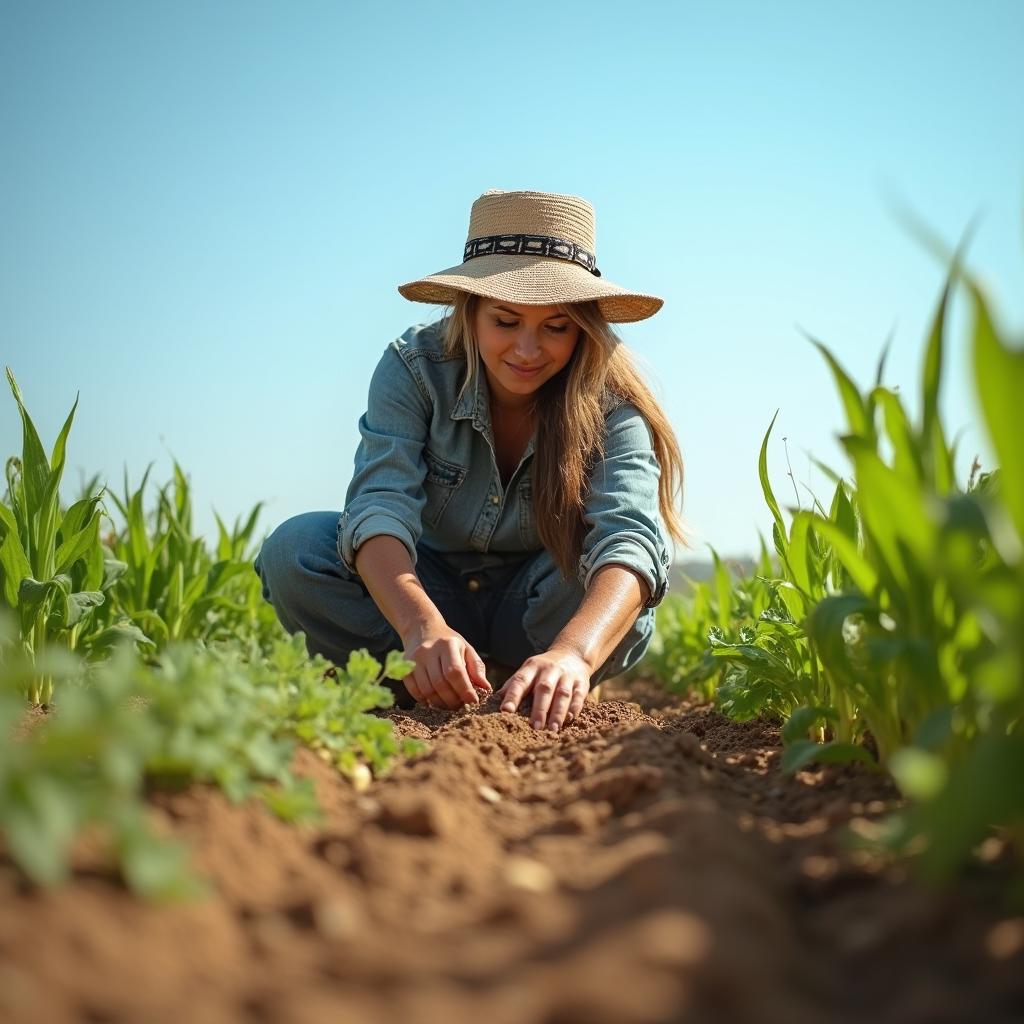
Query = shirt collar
x=475 y=404
x=472 y=401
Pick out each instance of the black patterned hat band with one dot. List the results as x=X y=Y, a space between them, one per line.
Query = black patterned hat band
x=532 y=248
x=531 y=245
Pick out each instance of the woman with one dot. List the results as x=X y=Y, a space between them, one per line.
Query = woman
x=514 y=489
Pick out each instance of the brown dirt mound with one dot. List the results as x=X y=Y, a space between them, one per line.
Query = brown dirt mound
x=637 y=867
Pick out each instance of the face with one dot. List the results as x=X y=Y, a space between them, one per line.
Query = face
x=522 y=347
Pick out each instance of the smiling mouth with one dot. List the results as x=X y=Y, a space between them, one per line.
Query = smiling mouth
x=526 y=371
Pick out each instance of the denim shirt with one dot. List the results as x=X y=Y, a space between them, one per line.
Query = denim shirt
x=426 y=471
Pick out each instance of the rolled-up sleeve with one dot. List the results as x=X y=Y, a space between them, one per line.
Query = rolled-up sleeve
x=621 y=510
x=386 y=494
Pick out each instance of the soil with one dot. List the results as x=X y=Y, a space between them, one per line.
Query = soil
x=647 y=864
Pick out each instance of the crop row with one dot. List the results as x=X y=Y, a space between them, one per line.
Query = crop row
x=153 y=661
x=888 y=627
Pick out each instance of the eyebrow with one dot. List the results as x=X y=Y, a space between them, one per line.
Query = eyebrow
x=512 y=312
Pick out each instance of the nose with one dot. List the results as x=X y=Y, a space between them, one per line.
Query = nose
x=527 y=345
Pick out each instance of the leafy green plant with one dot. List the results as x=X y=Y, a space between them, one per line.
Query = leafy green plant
x=690 y=628
x=222 y=714
x=82 y=768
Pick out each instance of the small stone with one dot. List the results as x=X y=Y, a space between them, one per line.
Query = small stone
x=361 y=778
x=528 y=875
x=490 y=794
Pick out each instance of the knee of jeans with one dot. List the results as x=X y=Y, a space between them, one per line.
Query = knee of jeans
x=276 y=560
x=291 y=553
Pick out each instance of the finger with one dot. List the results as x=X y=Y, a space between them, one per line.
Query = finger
x=454 y=668
x=418 y=685
x=579 y=698
x=434 y=702
x=543 y=692
x=477 y=670
x=516 y=688
x=443 y=691
x=560 y=702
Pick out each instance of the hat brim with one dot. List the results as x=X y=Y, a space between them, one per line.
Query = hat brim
x=539 y=281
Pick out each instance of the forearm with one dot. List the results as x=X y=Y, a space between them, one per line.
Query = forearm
x=448 y=672
x=611 y=605
x=385 y=567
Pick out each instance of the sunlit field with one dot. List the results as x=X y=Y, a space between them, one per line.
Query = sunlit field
x=819 y=763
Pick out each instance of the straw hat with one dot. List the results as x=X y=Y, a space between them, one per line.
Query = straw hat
x=532 y=248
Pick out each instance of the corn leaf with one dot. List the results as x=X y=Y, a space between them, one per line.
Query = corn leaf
x=14 y=563
x=856 y=412
x=999 y=375
x=779 y=536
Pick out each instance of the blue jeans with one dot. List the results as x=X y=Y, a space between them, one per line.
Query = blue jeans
x=509 y=607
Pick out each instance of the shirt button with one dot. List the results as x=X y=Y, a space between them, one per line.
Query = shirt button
x=473 y=584
x=495 y=500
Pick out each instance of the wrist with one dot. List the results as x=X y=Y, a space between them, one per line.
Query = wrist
x=568 y=647
x=418 y=626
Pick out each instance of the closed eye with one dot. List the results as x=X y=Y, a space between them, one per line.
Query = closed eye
x=560 y=329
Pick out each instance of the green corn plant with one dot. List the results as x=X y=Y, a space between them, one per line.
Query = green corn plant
x=964 y=764
x=865 y=641
x=893 y=630
x=245 y=611
x=775 y=668
x=173 y=587
x=889 y=623
x=926 y=637
x=54 y=572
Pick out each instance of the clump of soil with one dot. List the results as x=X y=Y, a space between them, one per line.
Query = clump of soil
x=647 y=864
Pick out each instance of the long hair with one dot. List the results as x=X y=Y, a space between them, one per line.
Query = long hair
x=569 y=414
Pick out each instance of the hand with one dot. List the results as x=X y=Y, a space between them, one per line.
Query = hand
x=560 y=681
x=448 y=671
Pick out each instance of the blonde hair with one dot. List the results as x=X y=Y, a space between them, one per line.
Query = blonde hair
x=569 y=412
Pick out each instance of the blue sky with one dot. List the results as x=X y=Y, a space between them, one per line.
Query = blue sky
x=206 y=209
